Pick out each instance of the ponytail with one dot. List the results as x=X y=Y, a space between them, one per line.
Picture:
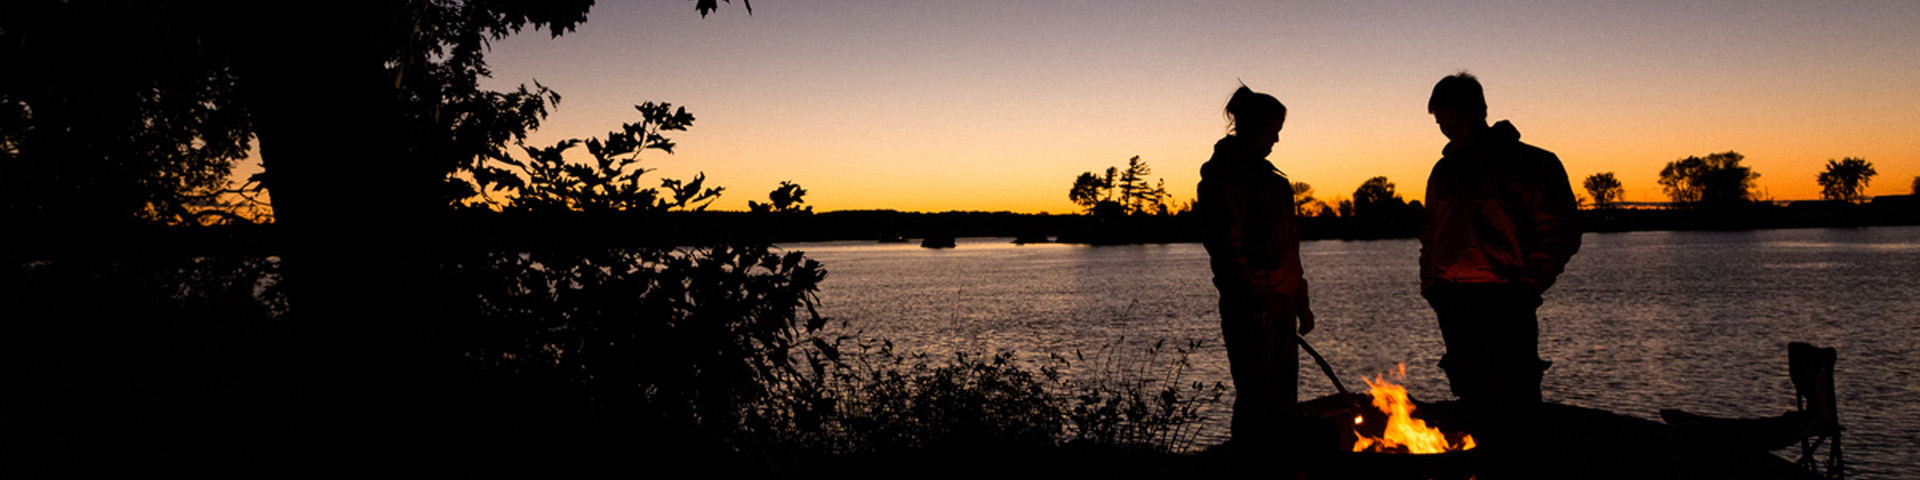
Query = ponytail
x=1248 y=107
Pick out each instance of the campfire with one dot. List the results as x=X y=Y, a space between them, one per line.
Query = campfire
x=1395 y=429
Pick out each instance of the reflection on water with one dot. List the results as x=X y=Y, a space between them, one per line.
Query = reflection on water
x=1641 y=321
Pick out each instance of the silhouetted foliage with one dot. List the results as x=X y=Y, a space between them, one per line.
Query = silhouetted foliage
x=1916 y=186
x=685 y=337
x=1377 y=211
x=1376 y=197
x=367 y=114
x=1715 y=180
x=1141 y=401
x=611 y=182
x=972 y=403
x=707 y=6
x=113 y=113
x=1303 y=202
x=137 y=111
x=858 y=395
x=1157 y=199
x=1088 y=190
x=169 y=94
x=783 y=199
x=1846 y=179
x=1604 y=189
x=1134 y=194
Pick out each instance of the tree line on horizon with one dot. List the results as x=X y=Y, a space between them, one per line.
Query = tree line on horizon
x=1126 y=208
x=1714 y=180
x=1125 y=192
x=1720 y=180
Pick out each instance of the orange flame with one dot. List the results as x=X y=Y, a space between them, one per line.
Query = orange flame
x=1403 y=433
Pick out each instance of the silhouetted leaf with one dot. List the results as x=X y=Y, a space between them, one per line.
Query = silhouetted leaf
x=833 y=353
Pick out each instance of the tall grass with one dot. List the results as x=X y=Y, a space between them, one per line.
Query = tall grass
x=1141 y=398
x=869 y=398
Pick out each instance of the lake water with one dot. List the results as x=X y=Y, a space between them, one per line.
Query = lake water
x=1641 y=321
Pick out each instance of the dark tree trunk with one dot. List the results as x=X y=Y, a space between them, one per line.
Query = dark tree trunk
x=353 y=208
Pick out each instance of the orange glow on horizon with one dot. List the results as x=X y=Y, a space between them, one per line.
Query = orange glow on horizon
x=997 y=105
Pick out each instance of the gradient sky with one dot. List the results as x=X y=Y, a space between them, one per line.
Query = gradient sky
x=994 y=105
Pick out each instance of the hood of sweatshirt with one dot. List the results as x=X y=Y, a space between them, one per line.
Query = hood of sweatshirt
x=1233 y=157
x=1501 y=134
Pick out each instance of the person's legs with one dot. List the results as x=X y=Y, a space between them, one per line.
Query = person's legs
x=1493 y=342
x=1262 y=358
x=1493 y=363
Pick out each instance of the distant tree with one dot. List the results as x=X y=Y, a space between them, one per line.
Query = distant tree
x=1605 y=189
x=1717 y=179
x=1305 y=205
x=1916 y=185
x=1111 y=181
x=1346 y=208
x=1845 y=179
x=1186 y=207
x=1158 y=200
x=1128 y=188
x=1313 y=208
x=1088 y=190
x=1134 y=192
x=1375 y=198
x=1303 y=202
x=785 y=198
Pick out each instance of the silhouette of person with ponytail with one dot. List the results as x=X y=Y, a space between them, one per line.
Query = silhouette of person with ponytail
x=1253 y=242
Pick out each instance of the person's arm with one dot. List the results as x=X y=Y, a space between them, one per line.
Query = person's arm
x=1292 y=281
x=1428 y=225
x=1224 y=220
x=1557 y=232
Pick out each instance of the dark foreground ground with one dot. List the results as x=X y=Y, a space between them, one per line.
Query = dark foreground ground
x=1574 y=443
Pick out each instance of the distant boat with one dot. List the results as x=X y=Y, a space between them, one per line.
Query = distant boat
x=937 y=241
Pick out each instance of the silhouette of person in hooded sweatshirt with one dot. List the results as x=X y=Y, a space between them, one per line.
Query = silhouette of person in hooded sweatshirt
x=1498 y=228
x=1246 y=208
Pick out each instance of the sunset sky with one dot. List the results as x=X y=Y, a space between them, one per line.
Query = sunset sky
x=997 y=105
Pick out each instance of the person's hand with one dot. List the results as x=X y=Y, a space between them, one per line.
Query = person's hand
x=1306 y=317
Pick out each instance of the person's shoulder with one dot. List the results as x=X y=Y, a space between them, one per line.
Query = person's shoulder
x=1528 y=150
x=1222 y=155
x=1447 y=163
x=1217 y=175
x=1526 y=155
x=1214 y=169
